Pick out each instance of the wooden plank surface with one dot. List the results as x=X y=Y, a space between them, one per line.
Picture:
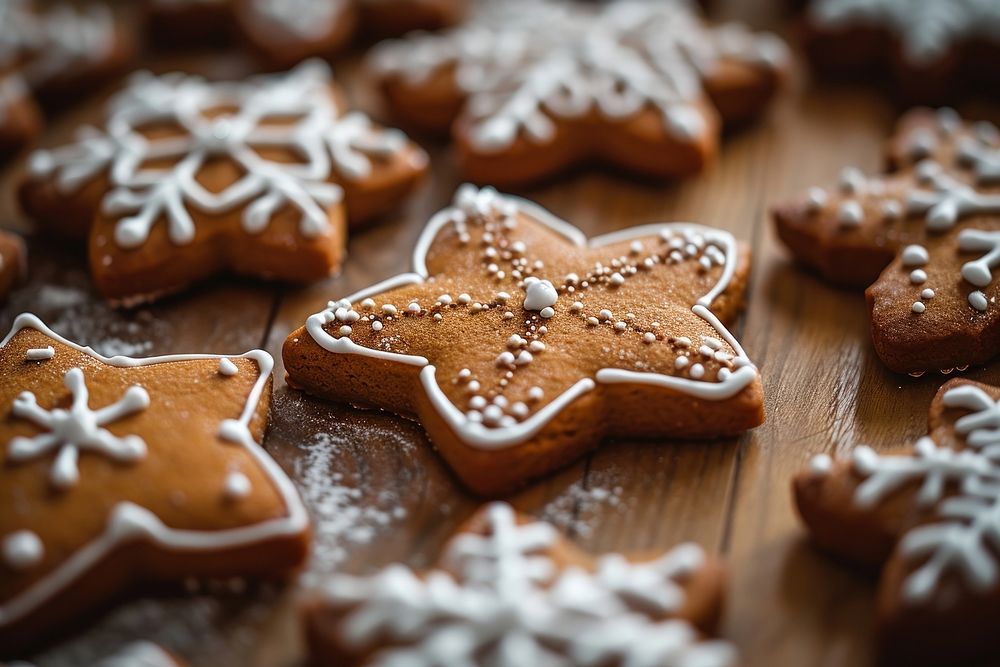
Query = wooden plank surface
x=379 y=494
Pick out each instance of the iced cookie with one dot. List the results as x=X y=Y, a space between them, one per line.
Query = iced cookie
x=188 y=178
x=53 y=50
x=927 y=516
x=925 y=236
x=285 y=32
x=510 y=590
x=929 y=49
x=534 y=87
x=520 y=344
x=115 y=472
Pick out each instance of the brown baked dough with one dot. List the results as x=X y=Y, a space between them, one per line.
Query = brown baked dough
x=511 y=386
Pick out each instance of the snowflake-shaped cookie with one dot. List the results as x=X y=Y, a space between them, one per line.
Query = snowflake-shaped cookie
x=536 y=86
x=932 y=515
x=931 y=46
x=115 y=470
x=510 y=590
x=55 y=49
x=927 y=235
x=521 y=345
x=188 y=178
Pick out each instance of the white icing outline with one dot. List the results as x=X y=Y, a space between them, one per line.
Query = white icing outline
x=128 y=521
x=482 y=437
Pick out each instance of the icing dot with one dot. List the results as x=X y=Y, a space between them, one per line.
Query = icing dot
x=345 y=330
x=539 y=294
x=546 y=312
x=477 y=402
x=605 y=315
x=927 y=294
x=536 y=393
x=368 y=304
x=576 y=307
x=237 y=486
x=227 y=367
x=697 y=371
x=683 y=341
x=22 y=550
x=620 y=326
x=915 y=255
x=389 y=309
x=505 y=359
x=648 y=337
x=892 y=210
x=816 y=199
x=524 y=358
x=681 y=362
x=978 y=300
x=851 y=214
x=508 y=315
x=502 y=296
x=592 y=321
x=376 y=325
x=234 y=430
x=413 y=307
x=918 y=307
x=617 y=279
x=474 y=385
x=918 y=276
x=40 y=353
x=536 y=346
x=464 y=298
x=820 y=465
x=465 y=374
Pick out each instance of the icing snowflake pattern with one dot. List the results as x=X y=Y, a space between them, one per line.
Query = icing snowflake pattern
x=966 y=530
x=78 y=428
x=523 y=63
x=490 y=417
x=141 y=194
x=927 y=29
x=507 y=603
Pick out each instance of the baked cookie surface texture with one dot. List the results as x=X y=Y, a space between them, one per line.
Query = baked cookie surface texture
x=925 y=237
x=511 y=590
x=520 y=344
x=187 y=179
x=532 y=88
x=117 y=471
x=927 y=515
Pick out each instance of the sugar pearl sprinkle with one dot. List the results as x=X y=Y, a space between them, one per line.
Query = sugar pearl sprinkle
x=525 y=299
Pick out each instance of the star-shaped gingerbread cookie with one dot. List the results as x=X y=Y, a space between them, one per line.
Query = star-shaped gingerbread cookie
x=117 y=471
x=931 y=50
x=511 y=590
x=55 y=50
x=189 y=178
x=520 y=345
x=535 y=87
x=928 y=516
x=925 y=236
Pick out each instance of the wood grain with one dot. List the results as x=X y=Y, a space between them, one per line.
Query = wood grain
x=377 y=476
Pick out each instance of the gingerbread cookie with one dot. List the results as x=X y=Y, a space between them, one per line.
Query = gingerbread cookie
x=13 y=262
x=930 y=49
x=534 y=87
x=61 y=49
x=926 y=515
x=927 y=234
x=511 y=590
x=285 y=32
x=520 y=345
x=120 y=470
x=189 y=178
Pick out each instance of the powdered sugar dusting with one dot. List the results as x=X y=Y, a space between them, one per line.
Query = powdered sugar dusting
x=577 y=509
x=344 y=512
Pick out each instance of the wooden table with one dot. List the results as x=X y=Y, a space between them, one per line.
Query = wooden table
x=380 y=494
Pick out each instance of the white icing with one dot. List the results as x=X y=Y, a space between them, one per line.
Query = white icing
x=75 y=430
x=978 y=301
x=306 y=19
x=915 y=255
x=237 y=486
x=128 y=521
x=40 y=353
x=964 y=533
x=227 y=367
x=979 y=272
x=469 y=426
x=522 y=63
x=927 y=29
x=49 y=40
x=330 y=146
x=22 y=550
x=539 y=294
x=504 y=601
